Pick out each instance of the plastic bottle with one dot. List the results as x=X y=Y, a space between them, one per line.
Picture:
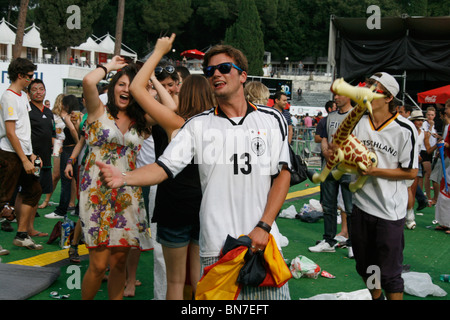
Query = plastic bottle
x=65 y=233
x=37 y=167
x=445 y=277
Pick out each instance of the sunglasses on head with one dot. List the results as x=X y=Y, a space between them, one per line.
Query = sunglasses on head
x=169 y=69
x=223 y=68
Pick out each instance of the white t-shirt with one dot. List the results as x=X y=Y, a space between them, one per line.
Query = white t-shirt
x=395 y=144
x=236 y=163
x=147 y=153
x=15 y=107
x=432 y=140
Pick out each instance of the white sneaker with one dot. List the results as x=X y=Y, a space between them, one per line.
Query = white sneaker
x=3 y=252
x=340 y=239
x=27 y=243
x=410 y=225
x=322 y=246
x=350 y=253
x=54 y=216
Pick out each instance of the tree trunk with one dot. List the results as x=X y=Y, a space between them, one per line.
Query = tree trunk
x=20 y=28
x=119 y=27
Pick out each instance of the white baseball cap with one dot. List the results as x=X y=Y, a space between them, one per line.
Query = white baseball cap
x=388 y=82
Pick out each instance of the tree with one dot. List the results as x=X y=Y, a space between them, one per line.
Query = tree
x=20 y=28
x=119 y=27
x=247 y=36
x=53 y=17
x=164 y=16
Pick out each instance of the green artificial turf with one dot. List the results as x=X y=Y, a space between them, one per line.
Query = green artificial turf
x=426 y=250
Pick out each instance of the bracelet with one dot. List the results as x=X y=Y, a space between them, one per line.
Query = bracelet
x=124 y=181
x=71 y=160
x=104 y=69
x=264 y=226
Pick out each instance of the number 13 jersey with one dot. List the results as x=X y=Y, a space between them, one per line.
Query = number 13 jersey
x=237 y=159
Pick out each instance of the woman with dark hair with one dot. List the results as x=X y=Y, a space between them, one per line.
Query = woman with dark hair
x=113 y=220
x=177 y=202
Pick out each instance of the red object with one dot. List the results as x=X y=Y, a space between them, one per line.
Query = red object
x=194 y=54
x=102 y=57
x=438 y=95
x=327 y=275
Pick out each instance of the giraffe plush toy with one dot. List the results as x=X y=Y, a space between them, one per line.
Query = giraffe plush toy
x=350 y=154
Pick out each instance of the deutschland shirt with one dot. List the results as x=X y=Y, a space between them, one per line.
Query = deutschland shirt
x=237 y=159
x=395 y=144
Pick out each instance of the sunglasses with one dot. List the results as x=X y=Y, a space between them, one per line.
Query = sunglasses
x=224 y=68
x=29 y=76
x=169 y=69
x=380 y=91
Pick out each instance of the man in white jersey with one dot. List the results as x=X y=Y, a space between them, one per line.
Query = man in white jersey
x=243 y=158
x=16 y=152
x=379 y=207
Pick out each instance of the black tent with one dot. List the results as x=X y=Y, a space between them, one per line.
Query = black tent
x=416 y=50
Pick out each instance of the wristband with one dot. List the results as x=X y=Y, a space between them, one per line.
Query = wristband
x=104 y=69
x=124 y=181
x=71 y=160
x=264 y=226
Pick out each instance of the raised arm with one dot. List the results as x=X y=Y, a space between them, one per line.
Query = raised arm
x=90 y=91
x=160 y=113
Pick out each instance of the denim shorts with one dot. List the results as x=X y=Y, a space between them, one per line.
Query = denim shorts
x=177 y=237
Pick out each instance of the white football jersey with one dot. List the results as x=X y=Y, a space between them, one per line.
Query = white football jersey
x=15 y=107
x=395 y=143
x=237 y=161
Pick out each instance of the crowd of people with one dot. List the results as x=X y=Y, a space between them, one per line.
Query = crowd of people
x=181 y=163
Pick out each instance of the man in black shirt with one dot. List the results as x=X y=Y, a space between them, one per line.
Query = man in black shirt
x=42 y=135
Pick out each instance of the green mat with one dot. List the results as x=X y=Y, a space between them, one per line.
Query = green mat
x=426 y=250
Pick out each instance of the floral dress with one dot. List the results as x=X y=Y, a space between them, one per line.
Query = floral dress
x=112 y=217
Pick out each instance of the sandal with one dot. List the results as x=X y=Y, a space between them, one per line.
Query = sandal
x=441 y=228
x=74 y=257
x=40 y=234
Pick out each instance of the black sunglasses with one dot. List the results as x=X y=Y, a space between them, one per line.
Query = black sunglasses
x=223 y=68
x=29 y=76
x=169 y=69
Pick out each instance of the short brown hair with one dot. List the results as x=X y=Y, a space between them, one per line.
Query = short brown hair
x=20 y=66
x=237 y=55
